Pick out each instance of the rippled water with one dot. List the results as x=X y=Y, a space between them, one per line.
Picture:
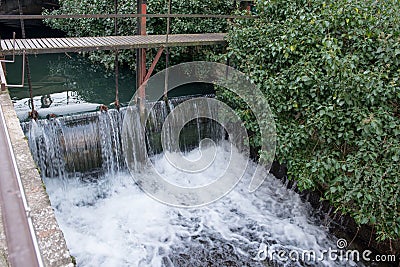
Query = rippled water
x=112 y=222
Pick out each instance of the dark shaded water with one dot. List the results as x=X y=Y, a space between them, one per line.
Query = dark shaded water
x=33 y=29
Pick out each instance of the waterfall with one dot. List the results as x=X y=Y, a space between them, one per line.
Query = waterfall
x=239 y=229
x=90 y=143
x=69 y=146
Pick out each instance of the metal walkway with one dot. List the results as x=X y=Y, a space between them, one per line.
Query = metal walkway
x=79 y=44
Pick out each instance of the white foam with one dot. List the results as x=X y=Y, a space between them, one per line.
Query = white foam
x=113 y=223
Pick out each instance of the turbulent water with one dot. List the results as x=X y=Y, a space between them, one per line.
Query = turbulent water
x=113 y=223
x=109 y=221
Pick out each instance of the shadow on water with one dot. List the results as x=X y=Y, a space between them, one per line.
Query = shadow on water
x=33 y=29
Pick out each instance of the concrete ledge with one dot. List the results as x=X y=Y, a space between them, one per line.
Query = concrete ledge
x=3 y=245
x=50 y=238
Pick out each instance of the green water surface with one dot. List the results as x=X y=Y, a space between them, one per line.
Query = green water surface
x=71 y=83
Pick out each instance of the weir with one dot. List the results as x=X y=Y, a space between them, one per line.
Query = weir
x=91 y=143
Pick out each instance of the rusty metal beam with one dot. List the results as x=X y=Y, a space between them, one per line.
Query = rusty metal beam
x=21 y=240
x=153 y=64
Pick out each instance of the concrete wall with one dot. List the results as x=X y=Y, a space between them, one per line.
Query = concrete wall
x=49 y=236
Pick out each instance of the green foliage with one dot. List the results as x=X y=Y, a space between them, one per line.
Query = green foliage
x=127 y=26
x=331 y=73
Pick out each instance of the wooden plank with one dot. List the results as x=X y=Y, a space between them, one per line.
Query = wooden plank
x=48 y=45
x=10 y=44
x=84 y=42
x=137 y=41
x=101 y=41
x=59 y=43
x=123 y=40
x=24 y=44
x=78 y=42
x=117 y=41
x=66 y=42
x=18 y=45
x=3 y=45
x=76 y=45
x=110 y=42
x=92 y=43
x=51 y=41
x=36 y=43
x=31 y=44
x=6 y=45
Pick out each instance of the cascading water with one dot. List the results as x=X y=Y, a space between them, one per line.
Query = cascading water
x=75 y=145
x=70 y=146
x=110 y=221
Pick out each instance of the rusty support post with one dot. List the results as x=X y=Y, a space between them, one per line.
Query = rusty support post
x=141 y=56
x=117 y=104
x=143 y=32
x=167 y=54
x=153 y=64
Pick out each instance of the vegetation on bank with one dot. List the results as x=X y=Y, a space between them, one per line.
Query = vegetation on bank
x=127 y=26
x=331 y=73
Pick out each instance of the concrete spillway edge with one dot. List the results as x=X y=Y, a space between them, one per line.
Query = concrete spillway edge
x=50 y=238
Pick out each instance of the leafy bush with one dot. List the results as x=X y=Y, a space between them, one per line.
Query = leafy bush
x=331 y=73
x=127 y=26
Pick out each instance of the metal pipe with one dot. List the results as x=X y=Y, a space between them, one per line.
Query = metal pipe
x=4 y=83
x=23 y=74
x=33 y=114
